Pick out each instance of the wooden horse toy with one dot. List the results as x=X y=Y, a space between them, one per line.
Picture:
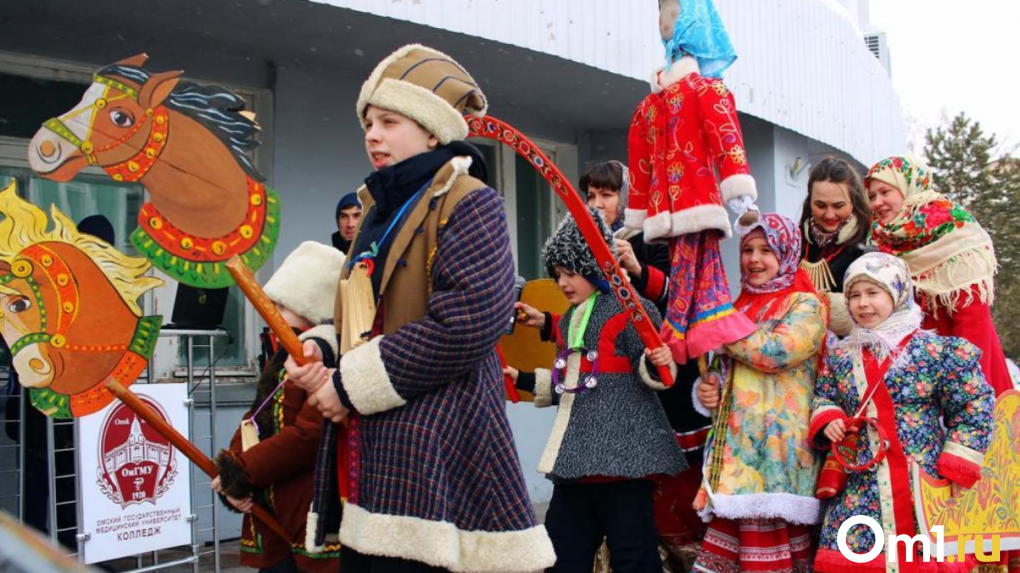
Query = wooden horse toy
x=191 y=147
x=69 y=310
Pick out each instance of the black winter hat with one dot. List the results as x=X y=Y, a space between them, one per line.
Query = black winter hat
x=568 y=249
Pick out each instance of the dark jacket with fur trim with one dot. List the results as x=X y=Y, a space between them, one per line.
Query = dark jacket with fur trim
x=617 y=429
x=691 y=427
x=434 y=472
x=838 y=259
x=278 y=470
x=676 y=520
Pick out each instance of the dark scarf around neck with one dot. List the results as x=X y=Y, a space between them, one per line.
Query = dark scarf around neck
x=394 y=186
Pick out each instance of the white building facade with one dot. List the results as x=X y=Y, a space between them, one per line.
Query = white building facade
x=567 y=72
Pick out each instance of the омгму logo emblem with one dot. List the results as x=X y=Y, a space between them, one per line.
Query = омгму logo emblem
x=136 y=463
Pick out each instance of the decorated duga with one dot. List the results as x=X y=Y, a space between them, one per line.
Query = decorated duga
x=69 y=309
x=192 y=147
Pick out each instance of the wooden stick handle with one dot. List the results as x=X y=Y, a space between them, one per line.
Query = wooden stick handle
x=511 y=388
x=266 y=309
x=131 y=400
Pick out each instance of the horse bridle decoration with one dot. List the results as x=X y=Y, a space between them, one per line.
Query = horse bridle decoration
x=59 y=275
x=136 y=166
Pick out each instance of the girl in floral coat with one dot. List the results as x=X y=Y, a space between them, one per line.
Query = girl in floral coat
x=929 y=398
x=952 y=262
x=760 y=468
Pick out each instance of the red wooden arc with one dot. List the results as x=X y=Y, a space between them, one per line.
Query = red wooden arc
x=858 y=426
x=492 y=128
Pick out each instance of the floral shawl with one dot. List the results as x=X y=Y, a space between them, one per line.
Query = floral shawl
x=948 y=252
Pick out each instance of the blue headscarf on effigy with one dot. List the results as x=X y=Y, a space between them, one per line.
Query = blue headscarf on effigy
x=700 y=32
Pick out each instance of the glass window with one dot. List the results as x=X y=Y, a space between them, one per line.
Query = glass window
x=535 y=218
x=491 y=162
x=25 y=103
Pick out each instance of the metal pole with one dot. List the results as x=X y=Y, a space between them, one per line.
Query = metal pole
x=191 y=355
x=212 y=452
x=191 y=436
x=22 y=411
x=80 y=536
x=51 y=479
x=168 y=565
x=193 y=518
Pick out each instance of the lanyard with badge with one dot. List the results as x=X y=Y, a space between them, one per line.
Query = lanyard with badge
x=575 y=340
x=356 y=293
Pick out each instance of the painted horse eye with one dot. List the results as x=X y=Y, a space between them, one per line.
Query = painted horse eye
x=19 y=305
x=121 y=118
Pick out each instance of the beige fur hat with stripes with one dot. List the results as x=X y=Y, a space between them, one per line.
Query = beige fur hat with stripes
x=427 y=86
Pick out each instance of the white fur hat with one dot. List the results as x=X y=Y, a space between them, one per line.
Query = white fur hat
x=427 y=86
x=307 y=280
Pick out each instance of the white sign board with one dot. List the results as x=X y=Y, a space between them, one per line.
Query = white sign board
x=135 y=486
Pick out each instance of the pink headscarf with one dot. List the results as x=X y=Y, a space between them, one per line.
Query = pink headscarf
x=784 y=239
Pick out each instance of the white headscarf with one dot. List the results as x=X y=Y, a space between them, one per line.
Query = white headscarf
x=892 y=275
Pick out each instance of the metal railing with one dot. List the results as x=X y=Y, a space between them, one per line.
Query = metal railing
x=63 y=515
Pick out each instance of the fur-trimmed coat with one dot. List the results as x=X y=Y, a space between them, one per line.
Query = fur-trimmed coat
x=278 y=470
x=934 y=401
x=683 y=134
x=760 y=460
x=617 y=429
x=434 y=472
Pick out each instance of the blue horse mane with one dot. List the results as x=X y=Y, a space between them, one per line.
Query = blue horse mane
x=216 y=108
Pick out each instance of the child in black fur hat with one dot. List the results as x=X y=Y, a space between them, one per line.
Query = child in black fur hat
x=611 y=432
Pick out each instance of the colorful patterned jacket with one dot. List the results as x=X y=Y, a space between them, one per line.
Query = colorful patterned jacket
x=934 y=399
x=681 y=135
x=761 y=463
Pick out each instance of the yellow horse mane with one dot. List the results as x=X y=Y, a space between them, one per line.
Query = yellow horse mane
x=24 y=225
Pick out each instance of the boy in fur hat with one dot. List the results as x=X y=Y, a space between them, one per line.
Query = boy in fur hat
x=607 y=185
x=278 y=467
x=611 y=432
x=435 y=481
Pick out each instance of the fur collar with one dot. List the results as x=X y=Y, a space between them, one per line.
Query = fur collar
x=680 y=69
x=845 y=232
